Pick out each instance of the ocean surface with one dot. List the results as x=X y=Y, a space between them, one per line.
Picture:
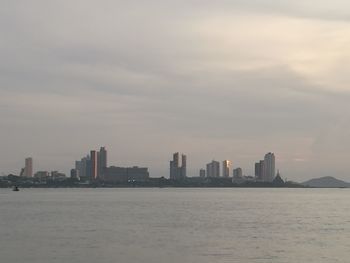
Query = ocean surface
x=175 y=225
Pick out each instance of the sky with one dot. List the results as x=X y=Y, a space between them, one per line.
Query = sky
x=212 y=79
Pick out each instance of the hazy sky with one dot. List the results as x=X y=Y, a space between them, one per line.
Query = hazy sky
x=213 y=79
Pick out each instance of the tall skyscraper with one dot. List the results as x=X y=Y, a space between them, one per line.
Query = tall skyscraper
x=88 y=167
x=183 y=166
x=213 y=169
x=226 y=168
x=85 y=167
x=177 y=170
x=269 y=167
x=28 y=168
x=257 y=170
x=176 y=159
x=78 y=168
x=174 y=165
x=98 y=164
x=260 y=170
x=94 y=164
x=102 y=161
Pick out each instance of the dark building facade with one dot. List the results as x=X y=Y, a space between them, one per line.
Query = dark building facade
x=237 y=173
x=102 y=162
x=115 y=174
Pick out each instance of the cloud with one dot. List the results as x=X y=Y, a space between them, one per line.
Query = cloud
x=230 y=79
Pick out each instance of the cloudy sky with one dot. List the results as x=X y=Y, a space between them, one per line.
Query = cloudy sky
x=213 y=79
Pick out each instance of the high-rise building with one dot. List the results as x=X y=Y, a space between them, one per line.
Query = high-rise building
x=85 y=167
x=183 y=166
x=78 y=168
x=94 y=164
x=176 y=159
x=213 y=169
x=98 y=164
x=269 y=167
x=102 y=161
x=259 y=170
x=202 y=173
x=177 y=170
x=226 y=168
x=28 y=168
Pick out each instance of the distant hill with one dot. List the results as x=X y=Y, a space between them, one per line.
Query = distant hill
x=327 y=181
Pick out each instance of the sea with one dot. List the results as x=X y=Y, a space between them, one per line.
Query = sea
x=175 y=225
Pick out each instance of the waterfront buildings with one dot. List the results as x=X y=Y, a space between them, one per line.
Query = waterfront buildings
x=92 y=166
x=213 y=169
x=42 y=175
x=56 y=175
x=177 y=170
x=115 y=174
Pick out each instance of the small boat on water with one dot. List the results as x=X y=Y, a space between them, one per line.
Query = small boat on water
x=15 y=188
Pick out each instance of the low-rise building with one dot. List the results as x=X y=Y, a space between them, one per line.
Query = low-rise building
x=115 y=174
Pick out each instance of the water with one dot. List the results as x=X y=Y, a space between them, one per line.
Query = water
x=174 y=225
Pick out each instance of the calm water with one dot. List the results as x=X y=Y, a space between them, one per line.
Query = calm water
x=174 y=225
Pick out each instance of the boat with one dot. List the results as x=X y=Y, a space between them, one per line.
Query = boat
x=15 y=188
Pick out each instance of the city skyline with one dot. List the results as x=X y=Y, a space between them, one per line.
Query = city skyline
x=223 y=79
x=174 y=131
x=94 y=166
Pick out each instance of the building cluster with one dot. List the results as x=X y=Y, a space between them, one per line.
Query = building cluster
x=54 y=175
x=213 y=169
x=177 y=169
x=264 y=170
x=93 y=167
x=28 y=172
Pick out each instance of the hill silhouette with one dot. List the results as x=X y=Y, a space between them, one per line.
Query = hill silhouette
x=326 y=182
